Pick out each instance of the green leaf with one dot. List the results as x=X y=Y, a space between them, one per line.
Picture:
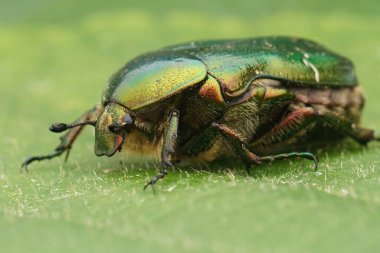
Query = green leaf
x=55 y=60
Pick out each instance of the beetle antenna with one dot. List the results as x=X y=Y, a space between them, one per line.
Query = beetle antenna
x=60 y=127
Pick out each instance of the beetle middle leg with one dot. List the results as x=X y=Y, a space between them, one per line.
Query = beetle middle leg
x=67 y=140
x=169 y=139
x=248 y=157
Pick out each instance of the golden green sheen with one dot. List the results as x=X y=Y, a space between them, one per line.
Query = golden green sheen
x=299 y=62
x=234 y=64
x=151 y=81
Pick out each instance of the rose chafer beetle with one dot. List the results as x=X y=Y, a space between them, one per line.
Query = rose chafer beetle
x=248 y=98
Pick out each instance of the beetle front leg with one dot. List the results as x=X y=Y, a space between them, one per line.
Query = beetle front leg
x=169 y=139
x=67 y=140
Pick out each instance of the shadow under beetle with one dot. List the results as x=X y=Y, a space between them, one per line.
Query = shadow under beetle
x=247 y=98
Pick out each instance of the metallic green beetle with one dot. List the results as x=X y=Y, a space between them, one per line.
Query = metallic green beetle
x=249 y=98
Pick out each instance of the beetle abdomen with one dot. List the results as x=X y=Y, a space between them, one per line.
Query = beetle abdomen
x=341 y=97
x=347 y=101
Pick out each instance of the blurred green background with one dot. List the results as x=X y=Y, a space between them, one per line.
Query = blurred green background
x=55 y=58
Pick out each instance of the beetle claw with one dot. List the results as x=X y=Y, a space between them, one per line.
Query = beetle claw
x=24 y=165
x=248 y=169
x=150 y=183
x=28 y=161
x=316 y=162
x=31 y=159
x=153 y=181
x=166 y=162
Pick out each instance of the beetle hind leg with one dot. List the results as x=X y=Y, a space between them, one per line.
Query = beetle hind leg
x=359 y=134
x=68 y=139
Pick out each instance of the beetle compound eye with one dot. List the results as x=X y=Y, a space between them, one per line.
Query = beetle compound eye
x=125 y=126
x=116 y=128
x=127 y=122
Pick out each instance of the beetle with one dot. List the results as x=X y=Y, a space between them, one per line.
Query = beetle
x=255 y=99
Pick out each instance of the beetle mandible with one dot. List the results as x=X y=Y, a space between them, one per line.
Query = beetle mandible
x=248 y=98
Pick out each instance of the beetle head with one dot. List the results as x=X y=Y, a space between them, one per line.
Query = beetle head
x=112 y=128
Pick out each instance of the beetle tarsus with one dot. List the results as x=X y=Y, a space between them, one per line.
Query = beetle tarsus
x=31 y=159
x=305 y=155
x=152 y=182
